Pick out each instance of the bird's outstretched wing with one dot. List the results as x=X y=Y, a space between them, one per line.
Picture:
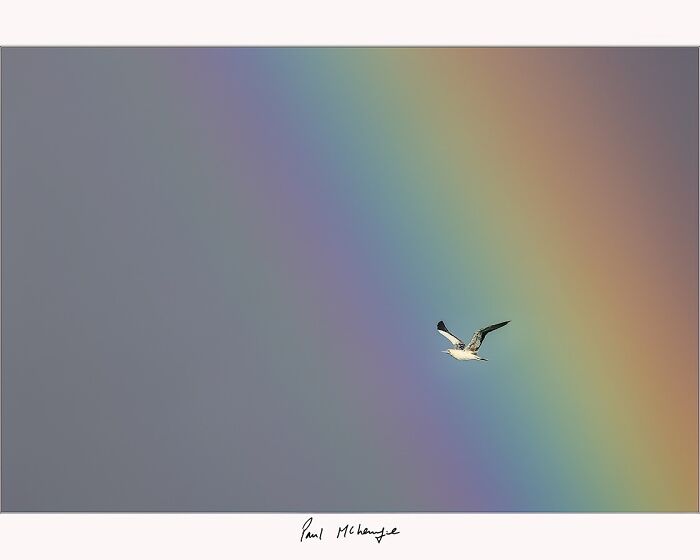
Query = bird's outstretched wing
x=442 y=329
x=479 y=335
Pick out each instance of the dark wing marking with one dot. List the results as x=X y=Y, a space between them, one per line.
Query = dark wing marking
x=479 y=335
x=456 y=342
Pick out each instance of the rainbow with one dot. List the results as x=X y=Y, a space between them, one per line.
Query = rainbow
x=373 y=192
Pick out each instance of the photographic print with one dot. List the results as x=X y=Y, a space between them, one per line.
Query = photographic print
x=349 y=279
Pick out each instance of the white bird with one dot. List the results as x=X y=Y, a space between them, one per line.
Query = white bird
x=461 y=351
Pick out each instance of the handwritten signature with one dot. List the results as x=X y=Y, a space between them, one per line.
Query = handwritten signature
x=308 y=533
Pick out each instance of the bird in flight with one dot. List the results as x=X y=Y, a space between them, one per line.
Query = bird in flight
x=461 y=351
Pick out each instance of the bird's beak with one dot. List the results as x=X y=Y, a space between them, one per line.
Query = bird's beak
x=445 y=351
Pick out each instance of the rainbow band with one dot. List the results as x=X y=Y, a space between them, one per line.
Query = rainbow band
x=383 y=190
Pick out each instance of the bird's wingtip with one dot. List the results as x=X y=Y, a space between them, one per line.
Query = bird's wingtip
x=441 y=326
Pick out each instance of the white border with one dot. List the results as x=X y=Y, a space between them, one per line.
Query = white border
x=344 y=22
x=479 y=536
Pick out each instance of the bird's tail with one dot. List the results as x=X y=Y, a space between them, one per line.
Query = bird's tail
x=480 y=358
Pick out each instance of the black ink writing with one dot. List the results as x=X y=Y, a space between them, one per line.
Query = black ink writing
x=306 y=532
x=360 y=530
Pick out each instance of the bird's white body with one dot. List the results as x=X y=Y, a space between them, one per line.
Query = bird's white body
x=462 y=355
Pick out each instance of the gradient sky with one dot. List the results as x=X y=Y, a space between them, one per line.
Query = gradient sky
x=222 y=271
